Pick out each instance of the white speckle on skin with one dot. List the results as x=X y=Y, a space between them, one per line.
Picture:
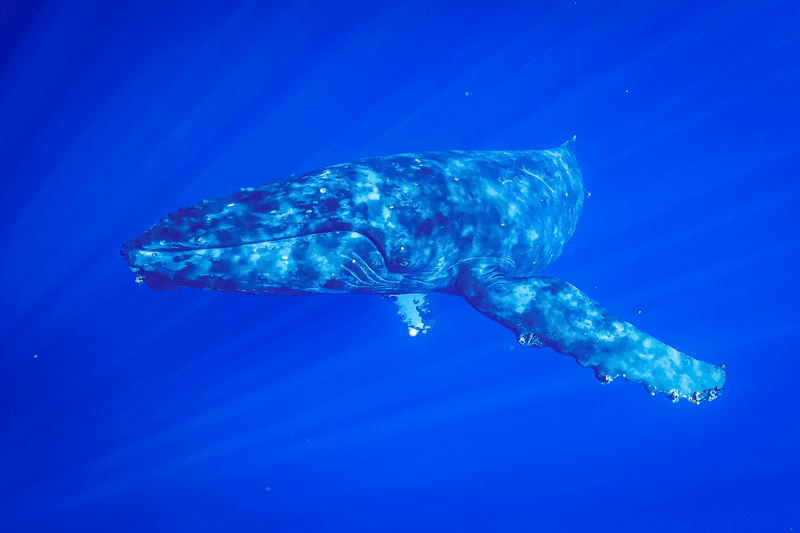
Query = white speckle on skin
x=491 y=191
x=605 y=337
x=523 y=296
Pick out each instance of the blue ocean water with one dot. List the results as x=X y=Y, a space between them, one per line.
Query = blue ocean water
x=124 y=409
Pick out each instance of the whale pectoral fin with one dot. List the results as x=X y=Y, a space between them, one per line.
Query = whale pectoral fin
x=414 y=311
x=549 y=312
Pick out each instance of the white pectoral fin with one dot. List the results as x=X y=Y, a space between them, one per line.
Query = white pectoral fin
x=414 y=311
x=549 y=312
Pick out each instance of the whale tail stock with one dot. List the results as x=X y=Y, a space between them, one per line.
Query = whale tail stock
x=545 y=311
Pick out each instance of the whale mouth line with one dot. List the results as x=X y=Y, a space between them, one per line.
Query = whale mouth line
x=178 y=249
x=189 y=249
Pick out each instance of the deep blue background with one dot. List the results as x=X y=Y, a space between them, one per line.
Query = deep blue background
x=123 y=409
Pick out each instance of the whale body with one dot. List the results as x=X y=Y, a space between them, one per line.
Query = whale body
x=478 y=224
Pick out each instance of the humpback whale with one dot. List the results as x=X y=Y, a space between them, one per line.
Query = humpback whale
x=478 y=224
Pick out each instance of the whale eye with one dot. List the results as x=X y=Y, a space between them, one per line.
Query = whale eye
x=402 y=257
